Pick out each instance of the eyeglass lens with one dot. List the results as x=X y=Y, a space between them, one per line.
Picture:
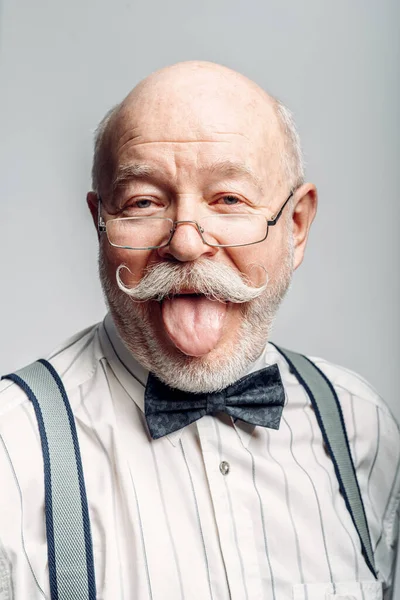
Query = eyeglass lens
x=217 y=230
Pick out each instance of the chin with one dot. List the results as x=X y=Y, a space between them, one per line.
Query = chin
x=143 y=335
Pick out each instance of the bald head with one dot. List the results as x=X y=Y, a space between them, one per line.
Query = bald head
x=195 y=101
x=191 y=92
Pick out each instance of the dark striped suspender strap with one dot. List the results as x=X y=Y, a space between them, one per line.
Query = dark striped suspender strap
x=330 y=419
x=69 y=543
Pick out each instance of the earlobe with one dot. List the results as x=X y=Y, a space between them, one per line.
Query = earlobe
x=304 y=211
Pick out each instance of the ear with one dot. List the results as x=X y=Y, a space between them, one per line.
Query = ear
x=304 y=210
x=92 y=201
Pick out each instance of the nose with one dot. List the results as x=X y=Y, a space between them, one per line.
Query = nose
x=186 y=244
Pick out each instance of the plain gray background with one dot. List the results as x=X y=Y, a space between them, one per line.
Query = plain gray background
x=335 y=63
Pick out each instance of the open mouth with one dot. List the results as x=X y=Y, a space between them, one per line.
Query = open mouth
x=193 y=322
x=193 y=294
x=190 y=294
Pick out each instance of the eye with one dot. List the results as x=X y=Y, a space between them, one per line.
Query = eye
x=230 y=200
x=143 y=203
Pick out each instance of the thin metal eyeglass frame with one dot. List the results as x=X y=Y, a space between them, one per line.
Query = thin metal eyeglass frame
x=102 y=228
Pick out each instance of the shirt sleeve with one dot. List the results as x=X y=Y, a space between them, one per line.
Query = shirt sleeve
x=386 y=473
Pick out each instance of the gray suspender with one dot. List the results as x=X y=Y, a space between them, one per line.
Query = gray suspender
x=69 y=544
x=70 y=554
x=330 y=419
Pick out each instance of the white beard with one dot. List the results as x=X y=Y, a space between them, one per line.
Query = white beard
x=206 y=373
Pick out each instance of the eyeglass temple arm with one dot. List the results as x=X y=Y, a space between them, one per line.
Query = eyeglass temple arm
x=274 y=220
x=100 y=223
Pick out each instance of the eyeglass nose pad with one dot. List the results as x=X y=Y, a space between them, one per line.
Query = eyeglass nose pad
x=187 y=222
x=187 y=244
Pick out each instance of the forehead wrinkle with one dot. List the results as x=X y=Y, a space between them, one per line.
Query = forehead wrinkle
x=141 y=142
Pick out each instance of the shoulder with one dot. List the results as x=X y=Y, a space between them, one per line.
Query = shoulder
x=349 y=386
x=352 y=387
x=367 y=416
x=75 y=360
x=372 y=430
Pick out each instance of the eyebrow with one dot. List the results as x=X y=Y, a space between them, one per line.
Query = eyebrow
x=222 y=168
x=228 y=168
x=126 y=173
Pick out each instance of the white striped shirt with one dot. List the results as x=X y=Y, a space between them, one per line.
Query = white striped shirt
x=168 y=524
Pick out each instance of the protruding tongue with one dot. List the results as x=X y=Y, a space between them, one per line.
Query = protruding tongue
x=194 y=323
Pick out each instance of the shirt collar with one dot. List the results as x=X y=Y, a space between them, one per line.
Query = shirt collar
x=133 y=376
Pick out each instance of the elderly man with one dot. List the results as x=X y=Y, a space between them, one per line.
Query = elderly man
x=172 y=452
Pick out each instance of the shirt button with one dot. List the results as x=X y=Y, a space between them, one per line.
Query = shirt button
x=224 y=467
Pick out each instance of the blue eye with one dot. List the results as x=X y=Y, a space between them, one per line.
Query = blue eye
x=145 y=203
x=230 y=200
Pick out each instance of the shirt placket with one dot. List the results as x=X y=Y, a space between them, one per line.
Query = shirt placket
x=229 y=489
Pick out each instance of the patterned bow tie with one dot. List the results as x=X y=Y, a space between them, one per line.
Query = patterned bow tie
x=257 y=398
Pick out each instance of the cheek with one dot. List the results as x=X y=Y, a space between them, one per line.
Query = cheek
x=252 y=260
x=135 y=260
